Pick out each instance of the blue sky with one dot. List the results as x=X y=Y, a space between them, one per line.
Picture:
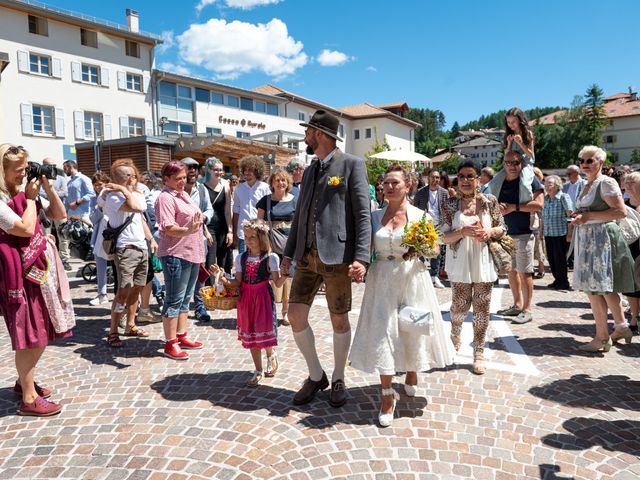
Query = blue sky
x=466 y=58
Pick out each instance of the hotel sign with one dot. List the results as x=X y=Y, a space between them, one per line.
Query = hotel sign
x=242 y=122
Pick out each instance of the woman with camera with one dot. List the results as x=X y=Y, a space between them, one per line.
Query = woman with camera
x=34 y=292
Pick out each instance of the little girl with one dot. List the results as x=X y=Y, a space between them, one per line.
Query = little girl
x=519 y=138
x=257 y=321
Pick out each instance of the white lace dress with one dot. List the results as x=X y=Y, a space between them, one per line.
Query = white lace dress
x=378 y=347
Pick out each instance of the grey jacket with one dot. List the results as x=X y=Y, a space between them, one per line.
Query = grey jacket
x=343 y=217
x=421 y=198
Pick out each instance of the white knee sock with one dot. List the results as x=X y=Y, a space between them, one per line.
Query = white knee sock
x=307 y=345
x=341 y=344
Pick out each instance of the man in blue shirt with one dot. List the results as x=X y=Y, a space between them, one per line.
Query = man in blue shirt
x=79 y=194
x=517 y=216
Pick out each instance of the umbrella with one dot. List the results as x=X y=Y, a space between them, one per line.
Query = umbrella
x=401 y=156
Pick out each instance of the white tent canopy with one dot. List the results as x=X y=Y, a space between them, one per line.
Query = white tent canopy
x=401 y=156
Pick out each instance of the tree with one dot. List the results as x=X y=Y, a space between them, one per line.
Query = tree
x=455 y=129
x=594 y=116
x=450 y=165
x=376 y=166
x=430 y=136
x=635 y=156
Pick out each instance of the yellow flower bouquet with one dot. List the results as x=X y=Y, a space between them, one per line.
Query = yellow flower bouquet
x=421 y=238
x=219 y=297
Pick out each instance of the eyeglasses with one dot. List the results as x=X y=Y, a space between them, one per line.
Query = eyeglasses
x=435 y=177
x=513 y=163
x=588 y=161
x=468 y=178
x=218 y=170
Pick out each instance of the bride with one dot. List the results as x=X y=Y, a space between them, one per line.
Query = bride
x=378 y=346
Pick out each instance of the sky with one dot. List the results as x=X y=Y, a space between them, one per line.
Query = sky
x=466 y=58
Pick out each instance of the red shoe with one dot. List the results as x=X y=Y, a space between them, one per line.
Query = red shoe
x=172 y=350
x=186 y=343
x=39 y=408
x=43 y=392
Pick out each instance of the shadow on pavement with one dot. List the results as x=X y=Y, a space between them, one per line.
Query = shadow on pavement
x=548 y=472
x=227 y=390
x=582 y=330
x=556 y=346
x=585 y=433
x=563 y=304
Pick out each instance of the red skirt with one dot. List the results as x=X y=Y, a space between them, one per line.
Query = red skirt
x=257 y=322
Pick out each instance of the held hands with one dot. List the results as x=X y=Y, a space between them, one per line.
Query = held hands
x=285 y=267
x=357 y=271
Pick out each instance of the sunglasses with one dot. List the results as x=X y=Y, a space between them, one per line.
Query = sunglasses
x=15 y=150
x=469 y=178
x=513 y=163
x=588 y=161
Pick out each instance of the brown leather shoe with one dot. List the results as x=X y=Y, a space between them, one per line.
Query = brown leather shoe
x=309 y=390
x=338 y=395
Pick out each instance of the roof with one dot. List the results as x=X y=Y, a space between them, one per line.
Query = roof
x=477 y=142
x=442 y=156
x=616 y=96
x=80 y=19
x=548 y=119
x=622 y=109
x=276 y=91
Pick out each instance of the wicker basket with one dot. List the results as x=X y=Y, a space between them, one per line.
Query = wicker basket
x=220 y=303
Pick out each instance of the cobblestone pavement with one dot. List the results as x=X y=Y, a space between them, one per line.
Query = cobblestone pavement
x=543 y=411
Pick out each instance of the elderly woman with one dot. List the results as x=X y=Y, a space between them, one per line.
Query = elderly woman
x=35 y=300
x=468 y=222
x=603 y=266
x=181 y=252
x=379 y=346
x=278 y=209
x=632 y=187
x=538 y=233
x=557 y=210
x=220 y=227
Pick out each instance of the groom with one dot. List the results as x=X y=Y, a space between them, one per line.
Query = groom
x=330 y=238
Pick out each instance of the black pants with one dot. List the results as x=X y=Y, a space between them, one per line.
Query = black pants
x=219 y=253
x=557 y=256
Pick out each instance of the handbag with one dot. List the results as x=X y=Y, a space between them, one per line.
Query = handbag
x=501 y=251
x=630 y=225
x=277 y=239
x=110 y=236
x=415 y=321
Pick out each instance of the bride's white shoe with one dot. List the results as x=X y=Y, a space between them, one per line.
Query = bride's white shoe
x=410 y=390
x=385 y=419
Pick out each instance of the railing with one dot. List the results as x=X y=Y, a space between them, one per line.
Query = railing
x=88 y=18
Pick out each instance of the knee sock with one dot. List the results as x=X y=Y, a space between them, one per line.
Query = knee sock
x=341 y=344
x=307 y=345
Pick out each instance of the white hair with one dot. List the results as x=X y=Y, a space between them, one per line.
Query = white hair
x=592 y=151
x=555 y=179
x=573 y=168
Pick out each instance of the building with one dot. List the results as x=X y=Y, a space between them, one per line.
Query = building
x=482 y=149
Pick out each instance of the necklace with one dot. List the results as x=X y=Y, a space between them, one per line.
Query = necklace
x=469 y=195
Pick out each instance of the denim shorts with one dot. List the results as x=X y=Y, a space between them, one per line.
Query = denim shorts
x=180 y=278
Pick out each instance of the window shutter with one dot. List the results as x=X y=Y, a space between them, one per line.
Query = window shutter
x=124 y=127
x=148 y=125
x=59 y=125
x=23 y=61
x=106 y=121
x=26 y=115
x=76 y=73
x=78 y=124
x=122 y=80
x=145 y=83
x=56 y=70
x=104 y=77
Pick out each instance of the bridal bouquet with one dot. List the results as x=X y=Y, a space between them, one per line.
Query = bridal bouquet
x=421 y=238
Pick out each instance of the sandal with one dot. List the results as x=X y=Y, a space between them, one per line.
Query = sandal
x=479 y=367
x=255 y=379
x=135 y=331
x=113 y=340
x=285 y=319
x=272 y=366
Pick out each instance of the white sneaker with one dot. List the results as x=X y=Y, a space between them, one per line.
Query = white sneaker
x=148 y=317
x=437 y=283
x=386 y=419
x=99 y=300
x=410 y=390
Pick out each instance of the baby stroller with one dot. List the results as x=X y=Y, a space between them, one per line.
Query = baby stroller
x=79 y=235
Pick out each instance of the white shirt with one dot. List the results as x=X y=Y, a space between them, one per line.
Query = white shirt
x=134 y=233
x=433 y=208
x=8 y=218
x=245 y=199
x=572 y=190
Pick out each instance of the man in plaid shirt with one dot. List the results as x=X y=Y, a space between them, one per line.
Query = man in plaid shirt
x=555 y=215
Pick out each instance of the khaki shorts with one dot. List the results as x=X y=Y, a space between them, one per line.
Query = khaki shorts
x=311 y=272
x=131 y=266
x=523 y=256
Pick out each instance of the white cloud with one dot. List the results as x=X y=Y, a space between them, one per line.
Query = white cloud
x=168 y=41
x=243 y=4
x=372 y=69
x=333 y=58
x=173 y=68
x=235 y=48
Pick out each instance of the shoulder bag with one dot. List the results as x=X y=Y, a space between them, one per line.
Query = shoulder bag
x=110 y=236
x=502 y=250
x=630 y=225
x=415 y=321
x=277 y=239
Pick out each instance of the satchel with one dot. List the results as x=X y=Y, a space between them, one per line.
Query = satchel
x=502 y=250
x=630 y=225
x=110 y=236
x=415 y=321
x=277 y=239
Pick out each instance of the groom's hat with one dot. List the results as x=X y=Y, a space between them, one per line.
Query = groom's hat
x=325 y=122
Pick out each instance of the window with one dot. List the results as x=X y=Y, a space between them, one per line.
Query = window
x=90 y=74
x=217 y=98
x=136 y=127
x=272 y=109
x=367 y=132
x=132 y=49
x=233 y=101
x=246 y=104
x=43 y=120
x=202 y=95
x=178 y=128
x=356 y=134
x=92 y=125
x=39 y=64
x=134 y=82
x=260 y=106
x=242 y=134
x=214 y=130
x=38 y=25
x=302 y=116
x=341 y=130
x=610 y=139
x=88 y=38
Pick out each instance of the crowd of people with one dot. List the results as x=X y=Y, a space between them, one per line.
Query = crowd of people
x=308 y=229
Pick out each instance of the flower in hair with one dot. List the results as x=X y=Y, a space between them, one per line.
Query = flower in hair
x=256 y=225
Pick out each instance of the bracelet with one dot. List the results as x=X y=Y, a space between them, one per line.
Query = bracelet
x=517 y=207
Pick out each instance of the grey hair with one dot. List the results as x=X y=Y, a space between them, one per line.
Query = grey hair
x=294 y=163
x=557 y=181
x=593 y=151
x=573 y=168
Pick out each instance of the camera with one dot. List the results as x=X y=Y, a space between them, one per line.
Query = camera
x=35 y=170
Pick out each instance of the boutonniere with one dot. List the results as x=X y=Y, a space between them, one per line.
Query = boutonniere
x=334 y=181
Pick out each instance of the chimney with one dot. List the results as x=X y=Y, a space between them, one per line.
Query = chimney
x=132 y=20
x=632 y=93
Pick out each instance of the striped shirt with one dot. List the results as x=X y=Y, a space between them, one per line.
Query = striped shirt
x=554 y=214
